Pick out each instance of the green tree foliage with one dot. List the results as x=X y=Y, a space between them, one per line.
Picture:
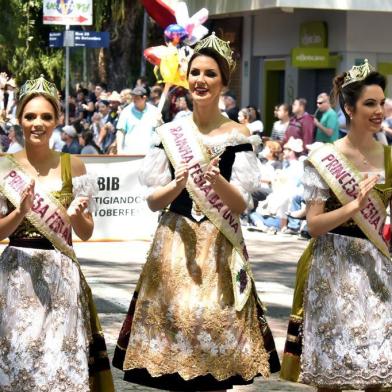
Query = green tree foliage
x=24 y=50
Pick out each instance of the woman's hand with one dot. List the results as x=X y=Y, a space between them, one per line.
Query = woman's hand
x=213 y=172
x=365 y=186
x=77 y=207
x=27 y=198
x=181 y=175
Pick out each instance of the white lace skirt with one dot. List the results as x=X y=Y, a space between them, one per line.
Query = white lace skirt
x=348 y=315
x=43 y=322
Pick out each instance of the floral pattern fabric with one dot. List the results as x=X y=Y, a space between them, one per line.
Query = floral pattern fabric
x=44 y=322
x=45 y=330
x=348 y=315
x=185 y=321
x=348 y=307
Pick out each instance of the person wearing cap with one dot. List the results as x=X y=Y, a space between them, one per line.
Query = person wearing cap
x=114 y=103
x=70 y=137
x=230 y=102
x=136 y=124
x=286 y=185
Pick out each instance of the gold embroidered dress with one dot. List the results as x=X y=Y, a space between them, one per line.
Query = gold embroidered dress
x=344 y=340
x=49 y=339
x=182 y=331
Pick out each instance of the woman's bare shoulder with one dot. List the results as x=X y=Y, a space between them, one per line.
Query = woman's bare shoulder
x=230 y=126
x=77 y=166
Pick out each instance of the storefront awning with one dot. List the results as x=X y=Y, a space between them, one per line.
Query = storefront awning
x=223 y=7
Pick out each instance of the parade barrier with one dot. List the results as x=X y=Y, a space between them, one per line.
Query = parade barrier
x=122 y=212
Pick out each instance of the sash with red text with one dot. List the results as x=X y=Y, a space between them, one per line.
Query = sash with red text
x=47 y=214
x=182 y=143
x=343 y=178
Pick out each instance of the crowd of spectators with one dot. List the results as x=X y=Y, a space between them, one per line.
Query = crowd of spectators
x=111 y=122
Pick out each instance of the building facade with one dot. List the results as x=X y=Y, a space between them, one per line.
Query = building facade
x=290 y=48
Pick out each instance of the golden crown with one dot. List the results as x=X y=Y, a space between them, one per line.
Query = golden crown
x=40 y=85
x=220 y=46
x=358 y=73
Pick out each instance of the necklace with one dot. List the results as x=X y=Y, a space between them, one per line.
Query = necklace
x=363 y=158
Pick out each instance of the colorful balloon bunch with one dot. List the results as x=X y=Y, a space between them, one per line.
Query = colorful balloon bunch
x=171 y=61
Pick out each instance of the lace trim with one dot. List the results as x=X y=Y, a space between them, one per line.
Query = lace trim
x=357 y=381
x=315 y=188
x=86 y=185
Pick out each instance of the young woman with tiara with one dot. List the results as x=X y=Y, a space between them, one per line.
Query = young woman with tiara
x=339 y=335
x=50 y=336
x=195 y=322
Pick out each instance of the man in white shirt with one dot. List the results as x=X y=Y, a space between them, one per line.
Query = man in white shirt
x=136 y=124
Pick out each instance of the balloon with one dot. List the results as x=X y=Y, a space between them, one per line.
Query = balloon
x=170 y=70
x=171 y=61
x=154 y=54
x=175 y=34
x=161 y=12
x=193 y=25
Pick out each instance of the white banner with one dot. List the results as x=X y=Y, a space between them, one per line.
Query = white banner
x=122 y=213
x=68 y=12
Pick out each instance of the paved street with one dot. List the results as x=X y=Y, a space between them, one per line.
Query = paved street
x=112 y=270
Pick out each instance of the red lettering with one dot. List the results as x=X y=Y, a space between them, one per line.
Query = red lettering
x=213 y=198
x=353 y=191
x=196 y=167
x=343 y=177
x=199 y=181
x=332 y=164
x=187 y=158
x=42 y=211
x=206 y=189
x=11 y=174
x=375 y=222
x=219 y=206
x=226 y=214
x=329 y=157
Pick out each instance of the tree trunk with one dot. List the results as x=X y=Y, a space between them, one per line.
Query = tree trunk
x=121 y=60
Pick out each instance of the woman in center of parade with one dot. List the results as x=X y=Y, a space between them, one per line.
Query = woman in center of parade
x=339 y=335
x=195 y=321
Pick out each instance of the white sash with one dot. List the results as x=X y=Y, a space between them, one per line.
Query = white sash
x=343 y=178
x=183 y=143
x=47 y=214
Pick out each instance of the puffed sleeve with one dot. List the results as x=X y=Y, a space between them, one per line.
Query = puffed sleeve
x=86 y=185
x=3 y=205
x=315 y=188
x=155 y=170
x=246 y=174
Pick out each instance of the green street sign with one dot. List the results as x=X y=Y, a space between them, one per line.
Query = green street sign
x=310 y=57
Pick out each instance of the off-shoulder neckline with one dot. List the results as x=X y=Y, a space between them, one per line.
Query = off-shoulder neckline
x=232 y=138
